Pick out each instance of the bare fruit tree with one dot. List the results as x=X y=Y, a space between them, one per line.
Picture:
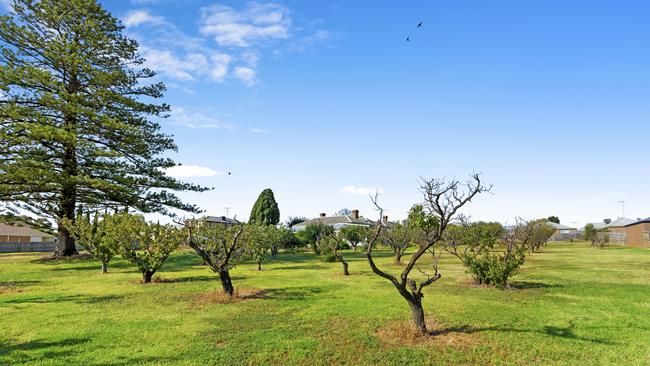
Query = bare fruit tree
x=220 y=247
x=442 y=200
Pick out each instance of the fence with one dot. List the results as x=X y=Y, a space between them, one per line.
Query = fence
x=28 y=247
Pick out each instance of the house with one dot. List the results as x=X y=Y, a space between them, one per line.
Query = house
x=338 y=222
x=562 y=232
x=23 y=234
x=211 y=221
x=634 y=234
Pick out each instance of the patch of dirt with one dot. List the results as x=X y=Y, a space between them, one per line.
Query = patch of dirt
x=7 y=288
x=403 y=333
x=220 y=297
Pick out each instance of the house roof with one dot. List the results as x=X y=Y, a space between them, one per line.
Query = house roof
x=646 y=220
x=11 y=230
x=334 y=220
x=221 y=220
x=620 y=222
x=560 y=226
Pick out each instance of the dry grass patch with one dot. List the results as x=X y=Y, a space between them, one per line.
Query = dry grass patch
x=404 y=334
x=6 y=289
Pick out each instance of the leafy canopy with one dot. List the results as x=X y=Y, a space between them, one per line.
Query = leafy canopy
x=75 y=109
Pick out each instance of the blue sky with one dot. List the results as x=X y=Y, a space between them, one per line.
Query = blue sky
x=324 y=101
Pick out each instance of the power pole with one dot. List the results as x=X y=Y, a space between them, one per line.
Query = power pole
x=227 y=210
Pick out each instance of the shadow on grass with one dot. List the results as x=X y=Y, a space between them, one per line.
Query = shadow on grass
x=61 y=348
x=523 y=285
x=78 y=299
x=312 y=267
x=292 y=293
x=551 y=331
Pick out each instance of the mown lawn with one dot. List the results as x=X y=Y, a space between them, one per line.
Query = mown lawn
x=572 y=305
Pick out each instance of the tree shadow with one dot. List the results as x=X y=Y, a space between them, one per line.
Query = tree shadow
x=552 y=331
x=524 y=285
x=7 y=349
x=291 y=293
x=78 y=299
x=312 y=267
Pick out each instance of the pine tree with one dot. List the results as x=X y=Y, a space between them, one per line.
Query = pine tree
x=265 y=210
x=75 y=115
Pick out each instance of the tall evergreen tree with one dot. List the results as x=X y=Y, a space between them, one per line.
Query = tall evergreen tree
x=265 y=210
x=74 y=116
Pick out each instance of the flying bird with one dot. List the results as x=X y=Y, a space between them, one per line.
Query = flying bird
x=420 y=25
x=408 y=39
x=229 y=173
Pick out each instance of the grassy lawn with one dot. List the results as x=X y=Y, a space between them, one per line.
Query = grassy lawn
x=572 y=305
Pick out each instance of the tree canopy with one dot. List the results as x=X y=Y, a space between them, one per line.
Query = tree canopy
x=265 y=210
x=75 y=116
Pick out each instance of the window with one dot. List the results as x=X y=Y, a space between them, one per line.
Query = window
x=646 y=235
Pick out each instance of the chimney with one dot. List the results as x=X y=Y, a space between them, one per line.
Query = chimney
x=223 y=218
x=355 y=214
x=322 y=214
x=607 y=221
x=385 y=219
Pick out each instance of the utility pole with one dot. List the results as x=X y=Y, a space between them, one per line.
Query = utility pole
x=227 y=210
x=622 y=204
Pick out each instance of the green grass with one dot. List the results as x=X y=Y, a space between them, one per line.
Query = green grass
x=572 y=305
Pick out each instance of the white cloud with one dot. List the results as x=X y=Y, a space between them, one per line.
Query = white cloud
x=188 y=66
x=258 y=130
x=191 y=171
x=193 y=120
x=245 y=74
x=256 y=23
x=360 y=190
x=138 y=17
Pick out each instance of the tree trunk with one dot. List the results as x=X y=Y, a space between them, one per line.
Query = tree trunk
x=226 y=282
x=345 y=268
x=146 y=276
x=65 y=245
x=398 y=259
x=259 y=266
x=274 y=252
x=418 y=315
x=104 y=267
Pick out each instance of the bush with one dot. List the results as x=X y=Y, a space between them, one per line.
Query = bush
x=494 y=269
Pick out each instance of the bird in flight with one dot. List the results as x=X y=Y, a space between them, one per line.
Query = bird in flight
x=229 y=173
x=420 y=25
x=408 y=39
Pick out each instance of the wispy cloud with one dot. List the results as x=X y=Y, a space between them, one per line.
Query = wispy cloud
x=189 y=66
x=258 y=130
x=194 y=120
x=359 y=190
x=242 y=28
x=245 y=74
x=191 y=171
x=135 y=18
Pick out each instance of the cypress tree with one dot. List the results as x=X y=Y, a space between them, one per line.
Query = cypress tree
x=265 y=210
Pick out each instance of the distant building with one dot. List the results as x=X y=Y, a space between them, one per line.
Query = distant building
x=23 y=234
x=615 y=229
x=337 y=222
x=211 y=221
x=562 y=232
x=634 y=234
